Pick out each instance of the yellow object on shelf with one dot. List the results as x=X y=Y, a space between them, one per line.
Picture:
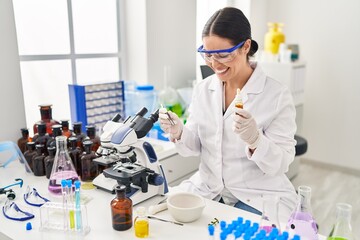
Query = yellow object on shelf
x=274 y=37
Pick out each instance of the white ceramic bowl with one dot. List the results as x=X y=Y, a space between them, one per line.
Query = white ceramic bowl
x=185 y=207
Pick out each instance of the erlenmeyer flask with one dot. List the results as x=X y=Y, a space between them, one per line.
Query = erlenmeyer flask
x=301 y=220
x=63 y=167
x=342 y=227
x=269 y=217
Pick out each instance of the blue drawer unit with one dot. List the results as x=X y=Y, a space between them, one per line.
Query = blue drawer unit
x=95 y=104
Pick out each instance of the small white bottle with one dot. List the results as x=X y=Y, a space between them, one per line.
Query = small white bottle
x=238 y=100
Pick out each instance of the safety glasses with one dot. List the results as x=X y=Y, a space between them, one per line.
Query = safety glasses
x=33 y=198
x=221 y=56
x=13 y=212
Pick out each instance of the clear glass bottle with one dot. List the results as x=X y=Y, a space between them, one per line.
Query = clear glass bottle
x=301 y=220
x=65 y=128
x=38 y=161
x=238 y=100
x=46 y=117
x=141 y=223
x=91 y=134
x=30 y=153
x=89 y=170
x=121 y=210
x=342 y=227
x=75 y=154
x=63 y=167
x=49 y=161
x=23 y=140
x=270 y=215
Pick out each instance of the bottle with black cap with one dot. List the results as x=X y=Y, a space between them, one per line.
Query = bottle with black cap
x=77 y=132
x=91 y=134
x=38 y=161
x=89 y=170
x=30 y=153
x=41 y=137
x=121 y=210
x=23 y=140
x=49 y=161
x=56 y=131
x=65 y=128
x=75 y=154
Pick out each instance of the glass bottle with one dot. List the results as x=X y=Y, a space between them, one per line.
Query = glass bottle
x=65 y=128
x=91 y=133
x=238 y=100
x=38 y=161
x=301 y=220
x=270 y=217
x=141 y=223
x=46 y=117
x=41 y=137
x=89 y=170
x=49 y=161
x=77 y=132
x=30 y=153
x=56 y=131
x=63 y=167
x=121 y=210
x=75 y=154
x=24 y=139
x=342 y=227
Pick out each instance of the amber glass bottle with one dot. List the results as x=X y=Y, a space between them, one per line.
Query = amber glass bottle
x=56 y=131
x=121 y=210
x=46 y=117
x=38 y=161
x=24 y=139
x=65 y=128
x=89 y=170
x=77 y=132
x=75 y=154
x=30 y=153
x=91 y=133
x=41 y=137
x=49 y=161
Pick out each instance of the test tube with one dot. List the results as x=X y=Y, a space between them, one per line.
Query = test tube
x=77 y=206
x=71 y=203
x=64 y=197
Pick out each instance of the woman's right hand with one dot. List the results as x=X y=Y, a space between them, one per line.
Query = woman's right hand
x=170 y=123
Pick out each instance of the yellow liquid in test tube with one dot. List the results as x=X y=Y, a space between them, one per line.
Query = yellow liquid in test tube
x=238 y=100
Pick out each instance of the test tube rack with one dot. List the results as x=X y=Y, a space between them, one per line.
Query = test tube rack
x=53 y=215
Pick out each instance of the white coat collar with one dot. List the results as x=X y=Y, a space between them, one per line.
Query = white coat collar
x=254 y=85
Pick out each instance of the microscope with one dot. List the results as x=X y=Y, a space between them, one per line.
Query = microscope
x=128 y=160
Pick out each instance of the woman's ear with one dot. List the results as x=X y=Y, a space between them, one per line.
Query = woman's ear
x=247 y=46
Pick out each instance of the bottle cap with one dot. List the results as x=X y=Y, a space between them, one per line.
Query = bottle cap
x=141 y=211
x=28 y=226
x=63 y=183
x=120 y=188
x=77 y=184
x=211 y=229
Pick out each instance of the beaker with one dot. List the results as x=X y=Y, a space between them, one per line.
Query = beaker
x=269 y=217
x=63 y=167
x=301 y=220
x=342 y=227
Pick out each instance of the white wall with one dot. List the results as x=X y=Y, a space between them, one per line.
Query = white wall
x=328 y=33
x=11 y=94
x=162 y=33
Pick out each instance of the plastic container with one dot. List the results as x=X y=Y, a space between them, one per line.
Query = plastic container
x=273 y=38
x=142 y=96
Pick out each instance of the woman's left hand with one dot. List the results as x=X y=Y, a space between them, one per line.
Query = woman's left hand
x=245 y=125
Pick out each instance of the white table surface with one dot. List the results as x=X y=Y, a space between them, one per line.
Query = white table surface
x=99 y=214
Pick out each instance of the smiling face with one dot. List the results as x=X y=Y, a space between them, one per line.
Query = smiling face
x=231 y=70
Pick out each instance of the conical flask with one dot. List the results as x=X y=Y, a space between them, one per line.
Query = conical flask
x=63 y=167
x=342 y=227
x=269 y=217
x=301 y=221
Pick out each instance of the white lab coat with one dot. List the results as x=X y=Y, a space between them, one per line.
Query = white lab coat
x=225 y=159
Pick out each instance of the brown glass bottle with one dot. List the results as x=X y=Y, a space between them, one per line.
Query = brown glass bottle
x=46 y=117
x=91 y=133
x=49 y=161
x=121 y=210
x=23 y=140
x=89 y=170
x=38 y=161
x=75 y=154
x=77 y=132
x=56 y=131
x=41 y=137
x=30 y=153
x=65 y=128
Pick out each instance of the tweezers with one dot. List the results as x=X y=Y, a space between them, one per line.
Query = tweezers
x=170 y=119
x=164 y=220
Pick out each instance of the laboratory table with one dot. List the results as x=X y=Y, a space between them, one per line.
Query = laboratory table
x=99 y=214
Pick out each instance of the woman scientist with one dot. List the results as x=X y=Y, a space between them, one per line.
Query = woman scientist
x=244 y=153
